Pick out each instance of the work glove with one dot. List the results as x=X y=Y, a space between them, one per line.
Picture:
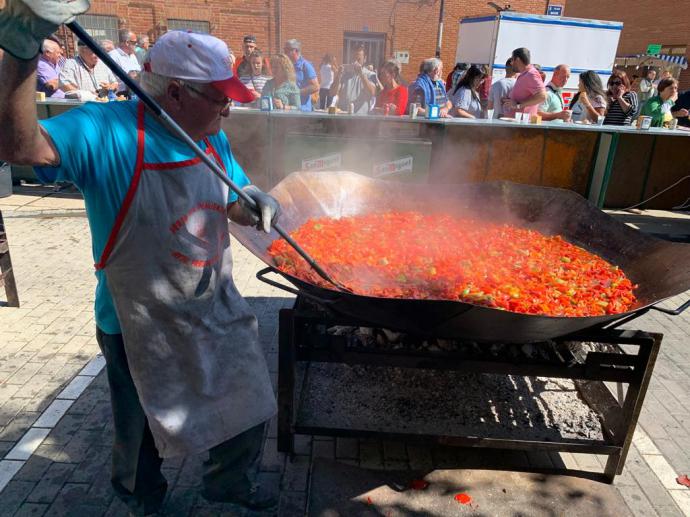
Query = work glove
x=267 y=208
x=24 y=24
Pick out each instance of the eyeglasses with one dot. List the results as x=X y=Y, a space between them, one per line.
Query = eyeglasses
x=223 y=104
x=132 y=42
x=616 y=83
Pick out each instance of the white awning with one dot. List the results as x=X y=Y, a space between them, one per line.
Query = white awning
x=659 y=60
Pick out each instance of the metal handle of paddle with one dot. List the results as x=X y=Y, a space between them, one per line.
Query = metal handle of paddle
x=176 y=130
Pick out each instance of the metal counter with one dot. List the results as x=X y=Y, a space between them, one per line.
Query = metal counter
x=613 y=166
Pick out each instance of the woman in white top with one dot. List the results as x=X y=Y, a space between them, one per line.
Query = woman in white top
x=590 y=102
x=465 y=96
x=326 y=75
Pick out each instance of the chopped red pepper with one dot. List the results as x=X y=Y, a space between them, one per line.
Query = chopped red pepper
x=463 y=498
x=411 y=255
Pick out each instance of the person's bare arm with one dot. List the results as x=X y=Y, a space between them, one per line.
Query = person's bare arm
x=335 y=87
x=22 y=140
x=537 y=98
x=311 y=87
x=554 y=115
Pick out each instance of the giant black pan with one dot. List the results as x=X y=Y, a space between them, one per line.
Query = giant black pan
x=660 y=268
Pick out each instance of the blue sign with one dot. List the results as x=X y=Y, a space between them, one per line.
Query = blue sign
x=554 y=10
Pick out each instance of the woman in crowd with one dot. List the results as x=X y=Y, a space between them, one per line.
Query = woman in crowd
x=326 y=74
x=465 y=97
x=622 y=102
x=659 y=106
x=283 y=87
x=257 y=78
x=393 y=98
x=590 y=101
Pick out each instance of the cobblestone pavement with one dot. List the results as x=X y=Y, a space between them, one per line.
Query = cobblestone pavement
x=46 y=343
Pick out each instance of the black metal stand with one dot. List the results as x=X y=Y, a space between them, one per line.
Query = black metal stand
x=303 y=337
x=6 y=273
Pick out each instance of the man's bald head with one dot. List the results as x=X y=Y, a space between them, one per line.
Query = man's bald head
x=561 y=74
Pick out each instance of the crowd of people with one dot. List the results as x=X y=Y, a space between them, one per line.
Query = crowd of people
x=468 y=91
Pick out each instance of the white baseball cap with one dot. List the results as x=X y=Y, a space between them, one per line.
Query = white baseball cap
x=193 y=56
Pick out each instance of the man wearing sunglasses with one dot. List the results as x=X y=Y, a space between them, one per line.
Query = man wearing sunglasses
x=185 y=366
x=125 y=56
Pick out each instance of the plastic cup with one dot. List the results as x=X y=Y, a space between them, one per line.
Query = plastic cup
x=600 y=120
x=489 y=114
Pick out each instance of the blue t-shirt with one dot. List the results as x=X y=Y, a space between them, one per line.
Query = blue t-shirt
x=97 y=143
x=304 y=72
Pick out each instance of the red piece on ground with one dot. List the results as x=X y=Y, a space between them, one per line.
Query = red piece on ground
x=683 y=480
x=419 y=484
x=463 y=498
x=369 y=501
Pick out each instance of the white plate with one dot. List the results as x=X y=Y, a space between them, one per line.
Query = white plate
x=508 y=119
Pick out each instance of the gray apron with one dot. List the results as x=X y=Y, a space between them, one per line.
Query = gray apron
x=191 y=340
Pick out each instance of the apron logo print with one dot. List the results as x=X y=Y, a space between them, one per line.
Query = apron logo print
x=191 y=230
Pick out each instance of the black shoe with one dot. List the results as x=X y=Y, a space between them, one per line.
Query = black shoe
x=256 y=499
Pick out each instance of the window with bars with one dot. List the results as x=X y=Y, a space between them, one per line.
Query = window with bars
x=193 y=25
x=99 y=26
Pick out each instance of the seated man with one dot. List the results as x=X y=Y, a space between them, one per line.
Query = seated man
x=85 y=77
x=49 y=67
x=125 y=56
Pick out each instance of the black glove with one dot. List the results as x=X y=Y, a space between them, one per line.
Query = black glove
x=267 y=208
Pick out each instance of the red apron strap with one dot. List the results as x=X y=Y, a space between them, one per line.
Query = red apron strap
x=129 y=197
x=212 y=150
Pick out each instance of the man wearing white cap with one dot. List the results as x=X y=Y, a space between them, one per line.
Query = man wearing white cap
x=185 y=367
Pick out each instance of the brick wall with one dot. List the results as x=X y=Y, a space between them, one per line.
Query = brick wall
x=644 y=22
x=407 y=24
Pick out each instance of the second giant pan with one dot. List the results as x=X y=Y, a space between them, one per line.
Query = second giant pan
x=661 y=269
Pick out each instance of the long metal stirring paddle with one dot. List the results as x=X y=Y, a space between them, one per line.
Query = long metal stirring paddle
x=176 y=130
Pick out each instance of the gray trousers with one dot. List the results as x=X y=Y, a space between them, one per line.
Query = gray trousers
x=136 y=466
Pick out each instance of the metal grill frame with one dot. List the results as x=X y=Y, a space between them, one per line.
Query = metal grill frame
x=618 y=419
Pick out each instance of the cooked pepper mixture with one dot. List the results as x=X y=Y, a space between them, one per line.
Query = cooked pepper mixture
x=411 y=255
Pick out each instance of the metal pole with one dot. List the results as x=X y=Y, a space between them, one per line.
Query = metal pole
x=440 y=30
x=176 y=130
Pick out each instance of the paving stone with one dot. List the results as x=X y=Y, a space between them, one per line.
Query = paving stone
x=296 y=474
x=48 y=487
x=34 y=468
x=370 y=454
x=303 y=444
x=347 y=448
x=323 y=449
x=419 y=457
x=292 y=504
x=71 y=497
x=31 y=510
x=394 y=450
x=13 y=495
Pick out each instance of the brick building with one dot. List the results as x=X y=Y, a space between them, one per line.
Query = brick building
x=644 y=23
x=384 y=26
